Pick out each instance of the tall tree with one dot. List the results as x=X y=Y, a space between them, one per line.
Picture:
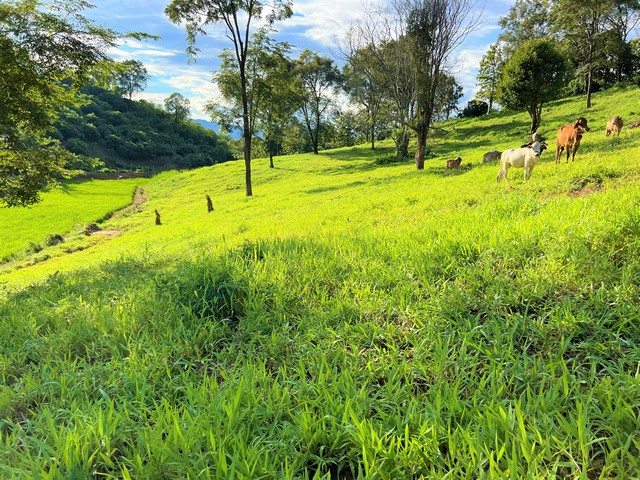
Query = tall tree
x=132 y=77
x=364 y=82
x=582 y=27
x=535 y=75
x=178 y=106
x=279 y=97
x=623 y=17
x=271 y=96
x=382 y=33
x=435 y=28
x=448 y=94
x=318 y=78
x=489 y=74
x=237 y=17
x=527 y=19
x=47 y=50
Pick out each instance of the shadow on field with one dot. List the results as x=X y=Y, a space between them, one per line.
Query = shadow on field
x=332 y=188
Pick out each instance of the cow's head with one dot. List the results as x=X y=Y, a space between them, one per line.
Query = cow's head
x=581 y=123
x=537 y=147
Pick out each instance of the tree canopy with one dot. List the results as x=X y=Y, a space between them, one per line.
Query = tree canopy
x=535 y=74
x=47 y=50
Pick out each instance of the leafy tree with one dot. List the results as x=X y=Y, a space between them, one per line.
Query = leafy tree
x=535 y=74
x=448 y=94
x=318 y=76
x=435 y=28
x=279 y=97
x=475 y=108
x=178 y=106
x=132 y=77
x=582 y=27
x=271 y=96
x=489 y=74
x=236 y=16
x=526 y=20
x=364 y=82
x=622 y=18
x=47 y=50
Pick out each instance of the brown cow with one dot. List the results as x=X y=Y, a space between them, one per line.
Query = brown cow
x=614 y=126
x=569 y=137
x=453 y=163
x=491 y=156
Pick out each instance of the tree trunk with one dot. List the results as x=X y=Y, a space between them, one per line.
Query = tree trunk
x=421 y=139
x=373 y=136
x=246 y=134
x=402 y=144
x=589 y=79
x=316 y=139
x=271 y=165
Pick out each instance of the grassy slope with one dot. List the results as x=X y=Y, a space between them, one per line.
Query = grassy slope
x=62 y=210
x=350 y=317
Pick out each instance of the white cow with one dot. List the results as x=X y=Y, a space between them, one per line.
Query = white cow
x=525 y=157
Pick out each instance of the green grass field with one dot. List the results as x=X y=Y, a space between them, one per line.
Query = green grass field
x=356 y=318
x=62 y=210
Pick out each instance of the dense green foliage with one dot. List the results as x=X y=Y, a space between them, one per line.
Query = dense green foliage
x=125 y=133
x=357 y=318
x=534 y=75
x=42 y=44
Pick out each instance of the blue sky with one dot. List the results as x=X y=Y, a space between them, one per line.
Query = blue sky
x=315 y=25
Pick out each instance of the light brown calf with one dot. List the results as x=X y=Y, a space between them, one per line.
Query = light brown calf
x=614 y=126
x=569 y=137
x=491 y=156
x=453 y=163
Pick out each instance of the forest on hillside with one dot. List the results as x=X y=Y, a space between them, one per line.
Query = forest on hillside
x=136 y=134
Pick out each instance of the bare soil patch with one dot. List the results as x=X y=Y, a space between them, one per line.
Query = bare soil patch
x=584 y=191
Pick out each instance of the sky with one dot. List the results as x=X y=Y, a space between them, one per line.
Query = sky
x=315 y=25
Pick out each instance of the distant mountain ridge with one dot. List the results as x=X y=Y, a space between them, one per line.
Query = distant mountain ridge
x=207 y=124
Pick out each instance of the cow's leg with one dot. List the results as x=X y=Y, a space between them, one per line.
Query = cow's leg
x=528 y=172
x=559 y=150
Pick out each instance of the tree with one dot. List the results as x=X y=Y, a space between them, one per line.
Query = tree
x=271 y=96
x=448 y=94
x=536 y=74
x=178 y=106
x=279 y=97
x=435 y=28
x=382 y=33
x=364 y=82
x=236 y=16
x=131 y=77
x=318 y=76
x=47 y=50
x=622 y=18
x=526 y=20
x=475 y=108
x=582 y=27
x=489 y=74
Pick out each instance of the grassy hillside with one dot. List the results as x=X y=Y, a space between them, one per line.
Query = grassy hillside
x=73 y=205
x=355 y=318
x=125 y=134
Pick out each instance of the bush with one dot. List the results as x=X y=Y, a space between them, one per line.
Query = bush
x=475 y=108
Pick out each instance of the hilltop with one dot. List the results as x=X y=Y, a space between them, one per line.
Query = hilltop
x=355 y=318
